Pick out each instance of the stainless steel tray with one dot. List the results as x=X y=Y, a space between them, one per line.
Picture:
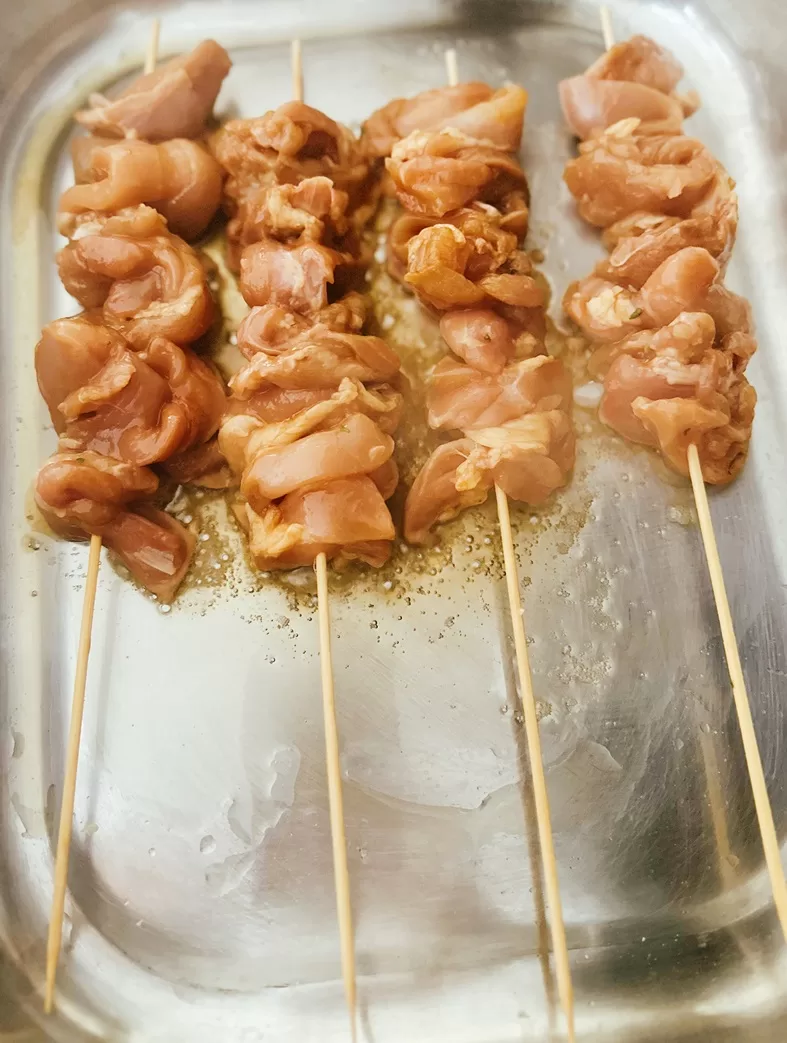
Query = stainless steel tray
x=201 y=903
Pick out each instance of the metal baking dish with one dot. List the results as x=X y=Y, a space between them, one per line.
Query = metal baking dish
x=201 y=903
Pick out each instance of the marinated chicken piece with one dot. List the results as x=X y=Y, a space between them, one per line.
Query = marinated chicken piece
x=529 y=457
x=346 y=520
x=449 y=269
x=607 y=312
x=461 y=398
x=311 y=211
x=355 y=447
x=285 y=147
x=294 y=277
x=270 y=328
x=668 y=404
x=633 y=78
x=317 y=358
x=436 y=172
x=641 y=242
x=278 y=418
x=494 y=117
x=179 y=178
x=82 y=494
x=136 y=406
x=639 y=60
x=721 y=431
x=434 y=496
x=273 y=405
x=623 y=172
x=591 y=105
x=147 y=282
x=480 y=337
x=174 y=101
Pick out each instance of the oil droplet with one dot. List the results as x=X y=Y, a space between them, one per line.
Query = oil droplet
x=207 y=845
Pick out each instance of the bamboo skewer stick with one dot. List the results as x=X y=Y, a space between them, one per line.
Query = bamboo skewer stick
x=341 y=873
x=335 y=801
x=65 y=826
x=528 y=700
x=762 y=804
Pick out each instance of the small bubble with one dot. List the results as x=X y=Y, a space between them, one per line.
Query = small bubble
x=204 y=537
x=387 y=585
x=152 y=852
x=233 y=338
x=33 y=593
x=504 y=709
x=165 y=609
x=519 y=717
x=224 y=557
x=373 y=625
x=187 y=519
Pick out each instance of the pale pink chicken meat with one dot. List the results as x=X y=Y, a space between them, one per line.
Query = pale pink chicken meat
x=279 y=151
x=460 y=398
x=633 y=78
x=607 y=312
x=355 y=447
x=147 y=282
x=179 y=178
x=317 y=358
x=137 y=406
x=492 y=116
x=346 y=520
x=434 y=173
x=269 y=328
x=450 y=267
x=529 y=458
x=83 y=494
x=622 y=173
x=173 y=101
x=294 y=277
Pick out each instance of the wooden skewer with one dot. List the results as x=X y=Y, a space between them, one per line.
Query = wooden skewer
x=341 y=873
x=528 y=699
x=762 y=804
x=65 y=826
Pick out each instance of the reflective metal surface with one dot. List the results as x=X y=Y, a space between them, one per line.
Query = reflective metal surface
x=201 y=903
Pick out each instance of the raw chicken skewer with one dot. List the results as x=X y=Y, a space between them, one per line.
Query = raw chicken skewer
x=770 y=840
x=528 y=699
x=341 y=873
x=65 y=827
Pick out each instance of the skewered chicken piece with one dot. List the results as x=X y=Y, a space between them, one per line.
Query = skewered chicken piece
x=493 y=117
x=88 y=493
x=634 y=78
x=672 y=343
x=179 y=178
x=138 y=406
x=174 y=101
x=294 y=175
x=457 y=247
x=147 y=282
x=309 y=424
